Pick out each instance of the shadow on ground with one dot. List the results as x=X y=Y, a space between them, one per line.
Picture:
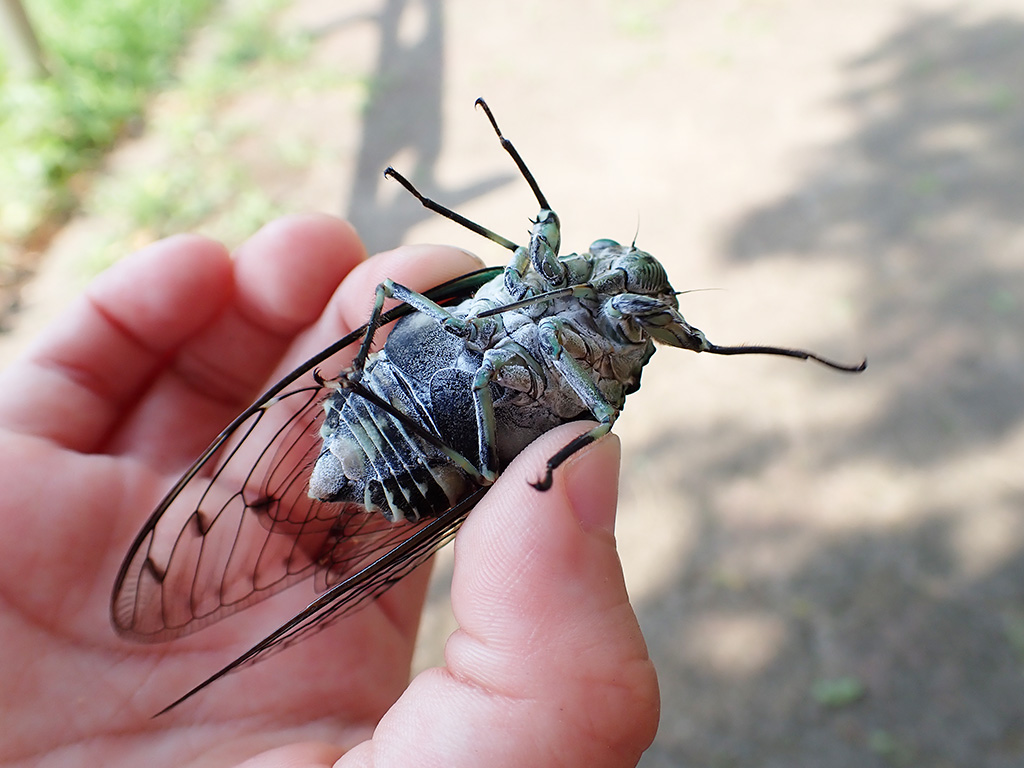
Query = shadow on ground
x=403 y=120
x=926 y=199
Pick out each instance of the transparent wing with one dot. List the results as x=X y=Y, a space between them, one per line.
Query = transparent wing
x=239 y=525
x=404 y=552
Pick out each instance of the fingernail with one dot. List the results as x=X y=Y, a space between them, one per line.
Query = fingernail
x=592 y=485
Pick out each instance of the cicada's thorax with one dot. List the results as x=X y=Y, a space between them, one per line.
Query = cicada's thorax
x=372 y=458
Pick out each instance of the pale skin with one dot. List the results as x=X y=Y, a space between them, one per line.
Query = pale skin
x=548 y=666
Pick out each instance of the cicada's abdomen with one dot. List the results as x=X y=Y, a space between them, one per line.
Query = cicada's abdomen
x=371 y=458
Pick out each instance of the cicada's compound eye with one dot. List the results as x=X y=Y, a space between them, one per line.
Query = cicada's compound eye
x=603 y=244
x=644 y=274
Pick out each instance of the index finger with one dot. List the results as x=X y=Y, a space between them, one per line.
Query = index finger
x=179 y=316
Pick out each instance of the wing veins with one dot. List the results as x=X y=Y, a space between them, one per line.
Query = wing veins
x=352 y=592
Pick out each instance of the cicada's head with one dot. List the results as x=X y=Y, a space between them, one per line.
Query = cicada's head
x=627 y=269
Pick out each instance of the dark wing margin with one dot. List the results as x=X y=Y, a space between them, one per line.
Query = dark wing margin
x=239 y=526
x=417 y=544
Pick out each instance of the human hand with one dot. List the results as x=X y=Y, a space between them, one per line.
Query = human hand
x=120 y=395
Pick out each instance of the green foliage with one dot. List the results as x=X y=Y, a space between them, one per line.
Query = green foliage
x=208 y=162
x=105 y=58
x=891 y=749
x=1013 y=628
x=838 y=692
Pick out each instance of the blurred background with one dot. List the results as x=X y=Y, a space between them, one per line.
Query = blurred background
x=829 y=569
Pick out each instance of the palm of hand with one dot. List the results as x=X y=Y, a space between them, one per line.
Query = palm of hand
x=140 y=375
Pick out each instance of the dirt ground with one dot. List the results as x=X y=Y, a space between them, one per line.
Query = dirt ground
x=829 y=569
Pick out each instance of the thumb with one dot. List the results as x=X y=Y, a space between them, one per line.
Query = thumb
x=548 y=665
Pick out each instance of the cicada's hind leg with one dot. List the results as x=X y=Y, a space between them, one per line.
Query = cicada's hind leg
x=520 y=256
x=576 y=376
x=545 y=235
x=448 y=213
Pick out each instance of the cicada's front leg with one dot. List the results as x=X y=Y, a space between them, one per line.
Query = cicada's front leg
x=515 y=284
x=542 y=255
x=545 y=240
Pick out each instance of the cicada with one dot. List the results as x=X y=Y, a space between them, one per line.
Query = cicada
x=357 y=478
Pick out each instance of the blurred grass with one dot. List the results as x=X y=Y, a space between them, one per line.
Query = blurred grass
x=106 y=57
x=114 y=62
x=212 y=163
